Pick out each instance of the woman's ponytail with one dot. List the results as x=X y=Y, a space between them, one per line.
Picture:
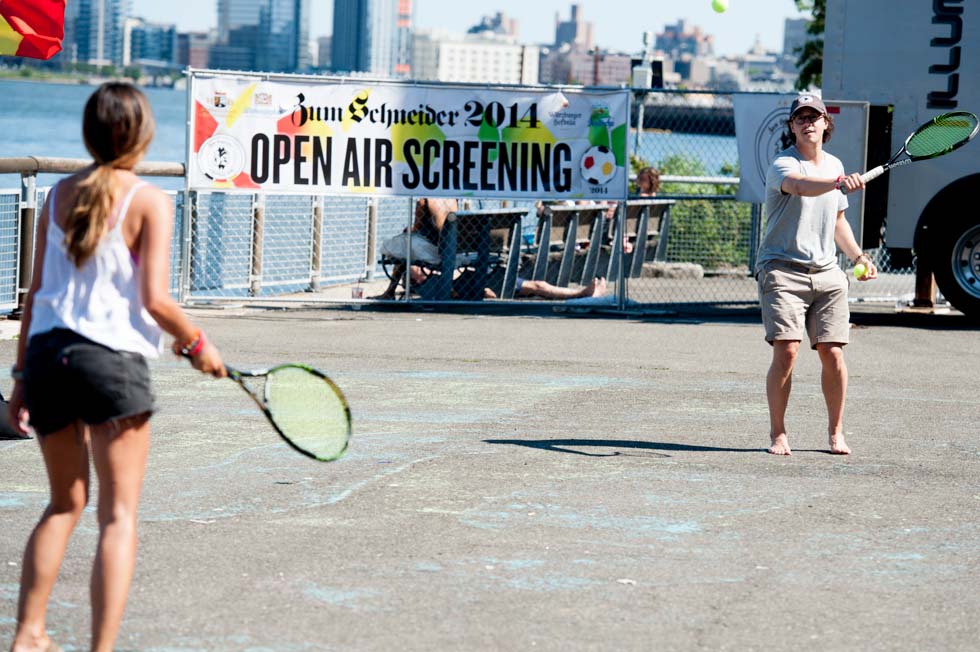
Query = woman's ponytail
x=88 y=220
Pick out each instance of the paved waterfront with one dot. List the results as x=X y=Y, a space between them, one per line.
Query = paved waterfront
x=541 y=482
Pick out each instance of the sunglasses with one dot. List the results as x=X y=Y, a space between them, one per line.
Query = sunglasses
x=802 y=120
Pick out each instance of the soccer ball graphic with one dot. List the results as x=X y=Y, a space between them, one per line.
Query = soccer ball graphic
x=598 y=165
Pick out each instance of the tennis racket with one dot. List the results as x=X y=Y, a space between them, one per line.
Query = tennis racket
x=304 y=406
x=939 y=136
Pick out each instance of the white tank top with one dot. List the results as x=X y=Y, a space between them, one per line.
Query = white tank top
x=100 y=301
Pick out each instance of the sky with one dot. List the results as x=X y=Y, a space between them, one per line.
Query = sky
x=616 y=23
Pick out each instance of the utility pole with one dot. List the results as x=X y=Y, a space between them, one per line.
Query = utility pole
x=643 y=79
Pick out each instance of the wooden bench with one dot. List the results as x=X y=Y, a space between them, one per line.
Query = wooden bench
x=646 y=226
x=567 y=229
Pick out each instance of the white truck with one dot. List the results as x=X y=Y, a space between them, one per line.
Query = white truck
x=913 y=60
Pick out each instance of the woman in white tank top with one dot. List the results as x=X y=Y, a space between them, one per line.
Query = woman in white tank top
x=98 y=302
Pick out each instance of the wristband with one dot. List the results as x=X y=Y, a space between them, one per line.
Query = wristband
x=837 y=182
x=198 y=346
x=16 y=374
x=192 y=348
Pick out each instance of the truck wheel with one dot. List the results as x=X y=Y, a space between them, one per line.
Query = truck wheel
x=955 y=261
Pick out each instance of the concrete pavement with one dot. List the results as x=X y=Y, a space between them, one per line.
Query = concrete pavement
x=540 y=482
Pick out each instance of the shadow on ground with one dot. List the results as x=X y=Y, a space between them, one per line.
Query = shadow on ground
x=629 y=446
x=570 y=446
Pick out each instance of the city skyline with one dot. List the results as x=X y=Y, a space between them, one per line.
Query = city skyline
x=734 y=31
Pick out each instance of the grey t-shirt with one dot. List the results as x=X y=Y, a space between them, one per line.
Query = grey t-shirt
x=801 y=229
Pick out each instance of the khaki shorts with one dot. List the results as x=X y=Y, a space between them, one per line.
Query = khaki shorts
x=795 y=299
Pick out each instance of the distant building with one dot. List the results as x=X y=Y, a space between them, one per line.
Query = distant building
x=323 y=52
x=682 y=39
x=794 y=36
x=149 y=44
x=69 y=45
x=403 y=38
x=473 y=58
x=372 y=36
x=94 y=32
x=498 y=24
x=575 y=33
x=267 y=35
x=716 y=74
x=596 y=68
x=193 y=49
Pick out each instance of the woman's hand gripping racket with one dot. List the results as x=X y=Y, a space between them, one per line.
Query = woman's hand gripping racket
x=939 y=136
x=304 y=406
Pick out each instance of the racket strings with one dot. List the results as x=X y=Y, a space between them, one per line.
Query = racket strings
x=308 y=411
x=942 y=135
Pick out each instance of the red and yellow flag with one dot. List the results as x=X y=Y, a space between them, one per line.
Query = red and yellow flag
x=31 y=28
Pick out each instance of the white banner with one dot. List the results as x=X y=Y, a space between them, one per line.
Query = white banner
x=760 y=128
x=351 y=136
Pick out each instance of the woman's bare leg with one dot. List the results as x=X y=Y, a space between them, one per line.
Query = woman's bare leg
x=119 y=452
x=66 y=459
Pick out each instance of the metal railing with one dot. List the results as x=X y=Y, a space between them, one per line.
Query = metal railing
x=269 y=247
x=31 y=198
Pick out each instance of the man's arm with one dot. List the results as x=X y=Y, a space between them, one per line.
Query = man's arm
x=797 y=184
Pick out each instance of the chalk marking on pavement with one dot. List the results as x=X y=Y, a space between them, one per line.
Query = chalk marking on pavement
x=343 y=495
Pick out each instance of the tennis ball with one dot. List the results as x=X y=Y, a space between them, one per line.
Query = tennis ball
x=860 y=270
x=719 y=5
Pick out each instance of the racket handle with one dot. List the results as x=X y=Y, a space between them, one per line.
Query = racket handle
x=873 y=173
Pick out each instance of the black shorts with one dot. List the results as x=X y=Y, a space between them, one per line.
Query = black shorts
x=68 y=377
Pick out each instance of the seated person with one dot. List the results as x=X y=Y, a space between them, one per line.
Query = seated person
x=430 y=216
x=647 y=185
x=7 y=429
x=647 y=182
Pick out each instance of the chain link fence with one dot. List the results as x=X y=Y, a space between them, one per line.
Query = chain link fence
x=689 y=137
x=9 y=241
x=694 y=245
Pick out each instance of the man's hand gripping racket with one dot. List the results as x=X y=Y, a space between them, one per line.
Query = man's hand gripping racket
x=939 y=136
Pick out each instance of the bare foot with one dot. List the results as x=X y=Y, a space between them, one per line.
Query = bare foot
x=596 y=288
x=838 y=446
x=780 y=445
x=489 y=294
x=30 y=644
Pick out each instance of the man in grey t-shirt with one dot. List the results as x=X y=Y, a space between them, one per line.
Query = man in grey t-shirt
x=801 y=287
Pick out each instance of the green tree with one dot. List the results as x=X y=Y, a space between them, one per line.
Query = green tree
x=810 y=60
